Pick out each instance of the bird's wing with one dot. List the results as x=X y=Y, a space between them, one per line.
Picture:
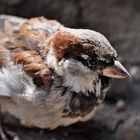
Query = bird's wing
x=24 y=43
x=33 y=34
x=8 y=25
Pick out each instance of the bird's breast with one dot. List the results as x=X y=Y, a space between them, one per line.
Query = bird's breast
x=51 y=111
x=61 y=107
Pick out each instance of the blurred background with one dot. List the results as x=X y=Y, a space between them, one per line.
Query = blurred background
x=118 y=118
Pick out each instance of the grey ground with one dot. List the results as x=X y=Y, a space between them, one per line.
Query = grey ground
x=118 y=118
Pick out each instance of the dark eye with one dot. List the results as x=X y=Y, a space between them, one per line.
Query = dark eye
x=91 y=62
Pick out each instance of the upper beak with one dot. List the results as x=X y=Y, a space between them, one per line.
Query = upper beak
x=116 y=71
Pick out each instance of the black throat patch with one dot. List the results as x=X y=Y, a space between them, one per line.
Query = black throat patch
x=81 y=105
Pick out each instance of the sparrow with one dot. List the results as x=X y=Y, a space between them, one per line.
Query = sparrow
x=51 y=75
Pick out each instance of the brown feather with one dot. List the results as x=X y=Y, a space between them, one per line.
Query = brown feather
x=26 y=46
x=4 y=56
x=64 y=43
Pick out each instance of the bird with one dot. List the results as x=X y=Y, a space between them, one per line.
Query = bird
x=52 y=75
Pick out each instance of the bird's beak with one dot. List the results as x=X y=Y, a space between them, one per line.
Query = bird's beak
x=116 y=71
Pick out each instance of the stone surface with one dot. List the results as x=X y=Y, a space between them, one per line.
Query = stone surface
x=131 y=129
x=119 y=21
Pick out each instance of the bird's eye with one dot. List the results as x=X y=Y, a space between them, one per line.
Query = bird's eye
x=91 y=62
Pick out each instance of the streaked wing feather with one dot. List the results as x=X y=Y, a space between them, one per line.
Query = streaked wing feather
x=25 y=43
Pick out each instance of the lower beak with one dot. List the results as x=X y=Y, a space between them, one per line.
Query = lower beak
x=116 y=71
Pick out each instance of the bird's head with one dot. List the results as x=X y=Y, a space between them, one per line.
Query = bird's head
x=83 y=55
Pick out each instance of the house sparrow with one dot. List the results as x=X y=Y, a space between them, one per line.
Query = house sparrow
x=52 y=75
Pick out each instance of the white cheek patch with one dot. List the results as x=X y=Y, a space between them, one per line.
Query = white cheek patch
x=82 y=81
x=84 y=56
